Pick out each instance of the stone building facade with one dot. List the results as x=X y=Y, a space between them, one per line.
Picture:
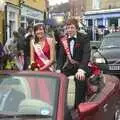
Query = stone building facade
x=102 y=12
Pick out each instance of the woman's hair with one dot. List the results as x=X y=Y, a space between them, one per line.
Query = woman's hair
x=36 y=27
x=39 y=25
x=72 y=21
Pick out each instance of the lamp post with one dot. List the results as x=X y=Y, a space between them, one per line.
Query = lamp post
x=19 y=5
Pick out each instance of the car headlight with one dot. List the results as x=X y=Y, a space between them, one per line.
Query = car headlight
x=100 y=60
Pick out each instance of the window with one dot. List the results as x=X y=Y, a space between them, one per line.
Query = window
x=11 y=23
x=90 y=22
x=11 y=27
x=96 y=4
x=99 y=21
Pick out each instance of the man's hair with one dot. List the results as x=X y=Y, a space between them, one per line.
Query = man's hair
x=72 y=21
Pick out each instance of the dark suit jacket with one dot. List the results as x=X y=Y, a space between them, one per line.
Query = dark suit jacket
x=81 y=52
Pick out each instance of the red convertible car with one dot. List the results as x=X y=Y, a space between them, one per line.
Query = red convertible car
x=48 y=96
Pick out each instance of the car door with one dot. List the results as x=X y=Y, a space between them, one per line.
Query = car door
x=107 y=100
x=103 y=105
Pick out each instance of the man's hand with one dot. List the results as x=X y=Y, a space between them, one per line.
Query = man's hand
x=73 y=61
x=80 y=75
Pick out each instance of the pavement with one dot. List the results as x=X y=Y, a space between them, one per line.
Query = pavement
x=71 y=91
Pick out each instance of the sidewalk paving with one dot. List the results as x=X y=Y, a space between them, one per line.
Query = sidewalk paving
x=71 y=91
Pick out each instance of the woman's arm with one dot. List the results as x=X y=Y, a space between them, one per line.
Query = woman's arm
x=52 y=53
x=31 y=52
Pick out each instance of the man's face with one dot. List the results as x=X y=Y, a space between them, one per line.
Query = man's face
x=71 y=30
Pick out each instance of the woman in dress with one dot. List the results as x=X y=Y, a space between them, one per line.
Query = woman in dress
x=42 y=49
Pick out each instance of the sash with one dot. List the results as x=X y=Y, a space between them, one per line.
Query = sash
x=66 y=47
x=42 y=56
x=64 y=41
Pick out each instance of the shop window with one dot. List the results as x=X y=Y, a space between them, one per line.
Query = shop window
x=22 y=18
x=99 y=21
x=30 y=21
x=90 y=22
x=11 y=28
x=113 y=21
x=12 y=15
x=23 y=25
x=96 y=4
x=11 y=23
x=37 y=21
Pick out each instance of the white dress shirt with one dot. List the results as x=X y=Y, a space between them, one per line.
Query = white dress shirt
x=72 y=42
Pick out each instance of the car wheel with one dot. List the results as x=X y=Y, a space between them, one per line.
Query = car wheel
x=117 y=114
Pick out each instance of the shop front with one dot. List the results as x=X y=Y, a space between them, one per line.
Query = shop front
x=30 y=16
x=106 y=18
x=11 y=20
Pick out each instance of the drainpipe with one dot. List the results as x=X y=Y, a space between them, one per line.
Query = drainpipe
x=5 y=26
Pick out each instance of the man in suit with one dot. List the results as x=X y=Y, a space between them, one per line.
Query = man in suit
x=79 y=47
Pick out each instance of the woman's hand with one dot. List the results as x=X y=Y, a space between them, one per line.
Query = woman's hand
x=44 y=67
x=80 y=75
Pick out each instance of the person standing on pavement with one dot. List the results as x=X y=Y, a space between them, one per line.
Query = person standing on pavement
x=74 y=57
x=2 y=53
x=28 y=36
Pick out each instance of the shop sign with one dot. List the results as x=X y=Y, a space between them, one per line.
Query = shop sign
x=28 y=12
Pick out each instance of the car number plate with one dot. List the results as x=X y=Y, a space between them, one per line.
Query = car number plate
x=114 y=67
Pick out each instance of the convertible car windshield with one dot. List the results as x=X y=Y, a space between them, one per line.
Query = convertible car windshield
x=28 y=94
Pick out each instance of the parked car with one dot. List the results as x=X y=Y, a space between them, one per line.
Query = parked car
x=109 y=53
x=45 y=95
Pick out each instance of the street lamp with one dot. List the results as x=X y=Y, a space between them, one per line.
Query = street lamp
x=20 y=5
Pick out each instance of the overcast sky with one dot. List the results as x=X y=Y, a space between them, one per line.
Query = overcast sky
x=53 y=2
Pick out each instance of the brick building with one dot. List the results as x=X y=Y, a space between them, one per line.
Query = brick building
x=15 y=13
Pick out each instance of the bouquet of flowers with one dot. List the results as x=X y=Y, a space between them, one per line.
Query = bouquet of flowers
x=35 y=66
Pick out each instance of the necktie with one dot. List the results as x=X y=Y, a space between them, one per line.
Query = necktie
x=72 y=38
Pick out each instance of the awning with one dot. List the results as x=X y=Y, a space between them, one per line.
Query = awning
x=101 y=15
